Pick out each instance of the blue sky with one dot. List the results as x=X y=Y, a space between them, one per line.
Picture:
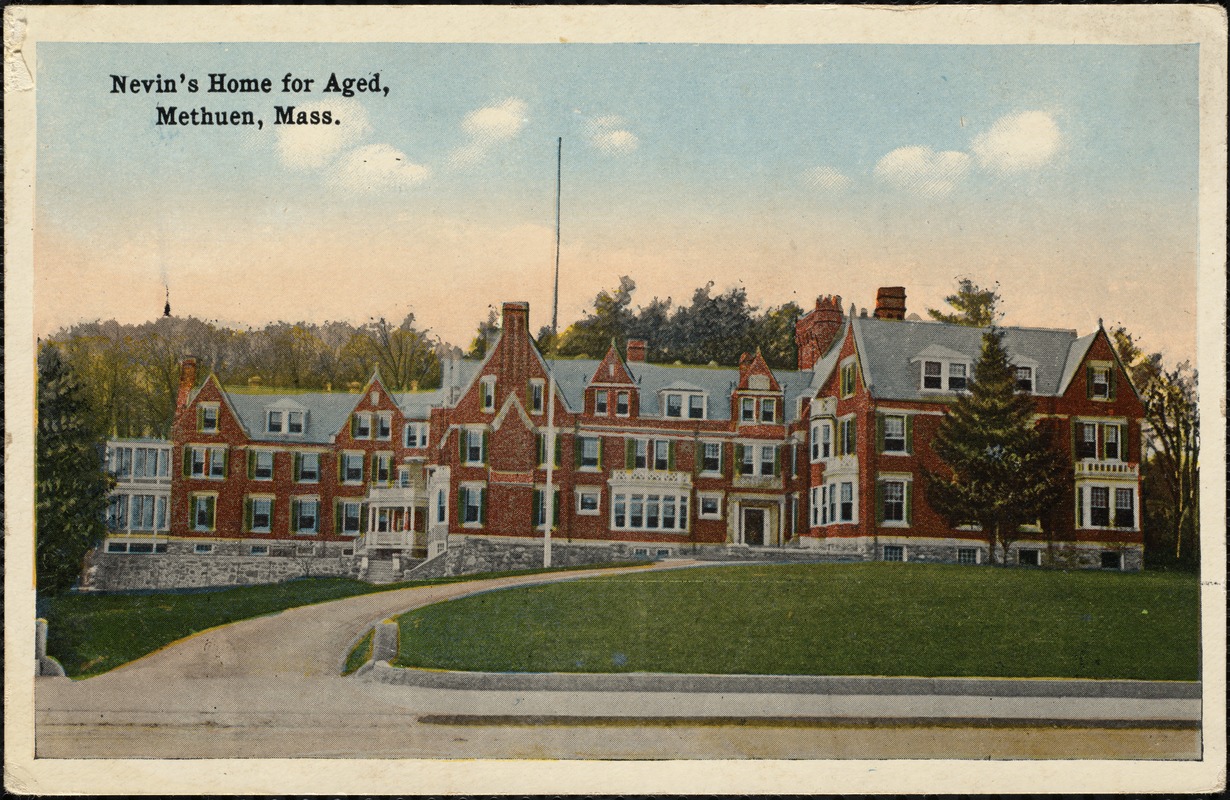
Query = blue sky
x=1066 y=173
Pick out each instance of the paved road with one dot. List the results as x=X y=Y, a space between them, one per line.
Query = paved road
x=269 y=687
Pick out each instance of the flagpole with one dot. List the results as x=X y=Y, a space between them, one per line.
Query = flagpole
x=549 y=498
x=559 y=174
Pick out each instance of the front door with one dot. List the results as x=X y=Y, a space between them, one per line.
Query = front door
x=753 y=526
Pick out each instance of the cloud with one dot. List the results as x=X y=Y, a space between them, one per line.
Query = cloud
x=922 y=170
x=379 y=165
x=487 y=127
x=826 y=178
x=314 y=146
x=609 y=134
x=1018 y=142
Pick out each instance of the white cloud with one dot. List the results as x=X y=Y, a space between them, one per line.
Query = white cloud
x=377 y=165
x=487 y=127
x=1018 y=142
x=922 y=170
x=610 y=134
x=826 y=178
x=313 y=146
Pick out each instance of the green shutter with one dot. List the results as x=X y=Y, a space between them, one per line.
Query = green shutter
x=738 y=459
x=482 y=506
x=670 y=456
x=576 y=451
x=247 y=513
x=1080 y=507
x=1089 y=381
x=909 y=498
x=879 y=503
x=541 y=447
x=210 y=503
x=486 y=437
x=629 y=454
x=1124 y=452
x=555 y=512
x=200 y=418
x=461 y=445
x=777 y=461
x=226 y=461
x=1075 y=452
x=337 y=516
x=909 y=433
x=187 y=461
x=601 y=442
x=295 y=467
x=559 y=450
x=461 y=506
x=879 y=433
x=250 y=456
x=535 y=508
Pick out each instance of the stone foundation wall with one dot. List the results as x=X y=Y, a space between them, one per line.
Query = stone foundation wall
x=182 y=568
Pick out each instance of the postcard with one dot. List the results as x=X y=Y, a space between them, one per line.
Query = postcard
x=791 y=399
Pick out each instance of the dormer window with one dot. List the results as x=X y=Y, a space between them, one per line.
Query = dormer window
x=747 y=409
x=294 y=421
x=768 y=410
x=207 y=418
x=488 y=393
x=933 y=375
x=274 y=423
x=600 y=402
x=674 y=405
x=1025 y=379
x=956 y=377
x=696 y=406
x=622 y=404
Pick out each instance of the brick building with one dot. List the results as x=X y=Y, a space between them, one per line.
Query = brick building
x=651 y=460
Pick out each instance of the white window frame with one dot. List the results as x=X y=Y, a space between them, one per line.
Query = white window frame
x=383 y=430
x=701 y=497
x=904 y=448
x=347 y=457
x=885 y=522
x=836 y=502
x=363 y=419
x=623 y=399
x=414 y=435
x=343 y=509
x=202 y=549
x=296 y=506
x=194 y=500
x=382 y=462
x=256 y=466
x=768 y=454
x=275 y=420
x=589 y=491
x=472 y=490
x=299 y=476
x=291 y=417
x=747 y=409
x=582 y=442
x=666 y=406
x=1017 y=380
x=977 y=551
x=602 y=403
x=1100 y=370
x=469 y=433
x=649 y=500
x=768 y=408
x=964 y=377
x=258 y=550
x=210 y=455
x=704 y=406
x=704 y=446
x=938 y=377
x=900 y=550
x=217 y=417
x=816 y=507
x=253 y=499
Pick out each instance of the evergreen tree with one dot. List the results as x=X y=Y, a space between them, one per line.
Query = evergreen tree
x=1001 y=470
x=973 y=305
x=70 y=484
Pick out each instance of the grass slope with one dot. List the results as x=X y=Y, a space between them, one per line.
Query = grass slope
x=833 y=619
x=90 y=634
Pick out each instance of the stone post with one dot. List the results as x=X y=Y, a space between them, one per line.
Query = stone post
x=385 y=642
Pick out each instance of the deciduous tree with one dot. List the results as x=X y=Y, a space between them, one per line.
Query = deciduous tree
x=972 y=305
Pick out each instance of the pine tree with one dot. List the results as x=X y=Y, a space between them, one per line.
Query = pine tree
x=1001 y=471
x=975 y=306
x=70 y=484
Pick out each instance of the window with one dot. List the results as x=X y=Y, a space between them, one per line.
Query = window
x=747 y=412
x=488 y=393
x=305 y=514
x=207 y=417
x=120 y=462
x=441 y=507
x=747 y=459
x=262 y=465
x=768 y=410
x=274 y=422
x=541 y=440
x=416 y=434
x=832 y=500
x=540 y=509
x=933 y=375
x=1110 y=447
x=638 y=511
x=349 y=518
x=1087 y=440
x=475 y=446
x=661 y=455
x=674 y=405
x=892 y=508
x=711 y=459
x=1099 y=382
x=894 y=552
x=894 y=434
x=208 y=463
x=1024 y=379
x=590 y=447
x=203 y=512
x=1099 y=506
x=826 y=440
x=1125 y=516
x=294 y=421
x=536 y=395
x=384 y=425
x=621 y=404
x=768 y=460
x=640 y=458
x=849 y=437
x=260 y=514
x=1112 y=559
x=967 y=555
x=711 y=506
x=956 y=377
x=404 y=479
x=259 y=550
x=117 y=512
x=361 y=425
x=847 y=501
x=352 y=467
x=587 y=501
x=140 y=463
x=696 y=406
x=307 y=467
x=847 y=379
x=384 y=520
x=203 y=549
x=382 y=466
x=600 y=401
x=472 y=501
x=1029 y=558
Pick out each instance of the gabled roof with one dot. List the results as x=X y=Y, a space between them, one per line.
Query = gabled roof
x=889 y=352
x=828 y=362
x=612 y=369
x=1076 y=354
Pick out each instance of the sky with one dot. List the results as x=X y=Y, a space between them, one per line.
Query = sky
x=1067 y=175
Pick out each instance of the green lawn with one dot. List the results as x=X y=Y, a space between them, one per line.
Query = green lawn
x=825 y=619
x=90 y=634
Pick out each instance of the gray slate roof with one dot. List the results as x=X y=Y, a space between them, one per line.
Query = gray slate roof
x=888 y=349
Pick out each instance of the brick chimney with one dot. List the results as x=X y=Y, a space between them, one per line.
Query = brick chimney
x=815 y=331
x=636 y=351
x=516 y=319
x=890 y=302
x=187 y=381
